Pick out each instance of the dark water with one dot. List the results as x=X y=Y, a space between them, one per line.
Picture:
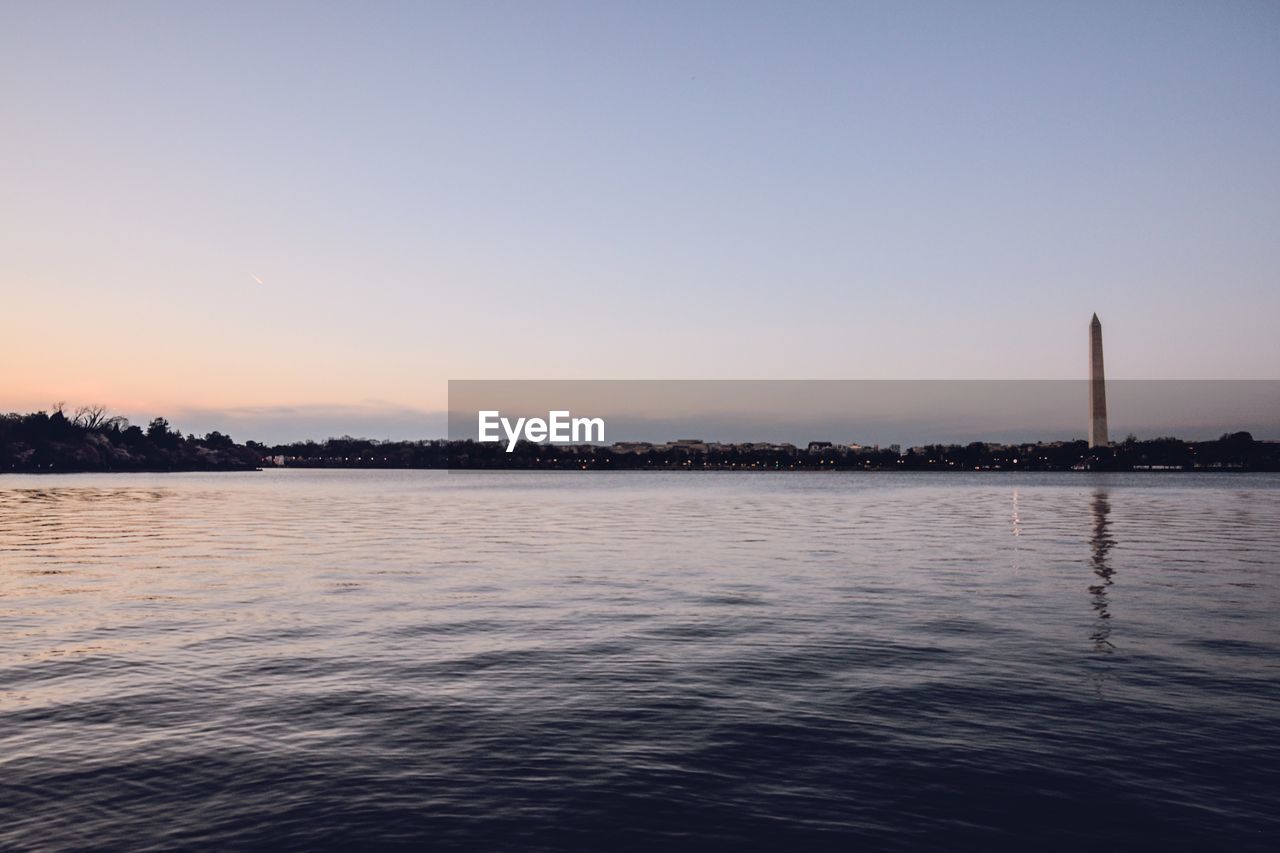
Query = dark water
x=497 y=661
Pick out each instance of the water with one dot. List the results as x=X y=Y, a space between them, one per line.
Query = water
x=523 y=660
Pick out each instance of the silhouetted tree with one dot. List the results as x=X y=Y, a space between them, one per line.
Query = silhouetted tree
x=91 y=417
x=217 y=440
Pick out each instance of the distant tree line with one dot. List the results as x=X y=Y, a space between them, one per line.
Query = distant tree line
x=1231 y=452
x=1236 y=451
x=92 y=440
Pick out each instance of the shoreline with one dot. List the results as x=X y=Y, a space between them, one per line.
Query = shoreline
x=657 y=470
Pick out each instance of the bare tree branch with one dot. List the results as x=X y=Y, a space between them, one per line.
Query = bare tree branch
x=91 y=417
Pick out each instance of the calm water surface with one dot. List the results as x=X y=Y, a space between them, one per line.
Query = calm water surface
x=521 y=660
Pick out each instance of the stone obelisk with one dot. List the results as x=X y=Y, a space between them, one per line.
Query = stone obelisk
x=1097 y=387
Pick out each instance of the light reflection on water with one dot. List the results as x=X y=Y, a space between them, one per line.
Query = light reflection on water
x=546 y=660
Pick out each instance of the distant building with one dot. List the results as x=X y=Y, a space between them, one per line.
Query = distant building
x=625 y=447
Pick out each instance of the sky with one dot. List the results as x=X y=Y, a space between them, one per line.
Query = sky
x=300 y=220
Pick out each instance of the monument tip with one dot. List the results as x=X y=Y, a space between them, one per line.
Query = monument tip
x=1095 y=321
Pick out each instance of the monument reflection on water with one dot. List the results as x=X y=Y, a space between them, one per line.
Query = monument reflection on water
x=1101 y=542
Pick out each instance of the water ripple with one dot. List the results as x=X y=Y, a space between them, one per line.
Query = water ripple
x=536 y=661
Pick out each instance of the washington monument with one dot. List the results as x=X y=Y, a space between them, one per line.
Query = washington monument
x=1097 y=388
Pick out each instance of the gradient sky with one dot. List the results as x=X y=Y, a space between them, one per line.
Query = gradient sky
x=297 y=217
